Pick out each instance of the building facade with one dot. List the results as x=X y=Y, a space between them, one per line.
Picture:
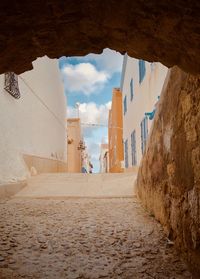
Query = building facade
x=104 y=158
x=74 y=141
x=115 y=133
x=32 y=122
x=141 y=86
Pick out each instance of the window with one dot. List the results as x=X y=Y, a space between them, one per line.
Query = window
x=126 y=153
x=133 y=149
x=11 y=84
x=131 y=89
x=142 y=70
x=125 y=105
x=144 y=133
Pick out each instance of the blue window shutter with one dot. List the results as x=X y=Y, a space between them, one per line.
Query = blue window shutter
x=131 y=89
x=135 y=154
x=142 y=70
x=146 y=127
x=141 y=128
x=125 y=105
x=126 y=153
x=144 y=133
x=133 y=148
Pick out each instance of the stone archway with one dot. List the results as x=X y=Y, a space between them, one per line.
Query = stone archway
x=169 y=32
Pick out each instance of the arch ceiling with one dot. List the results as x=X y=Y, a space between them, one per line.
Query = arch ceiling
x=165 y=31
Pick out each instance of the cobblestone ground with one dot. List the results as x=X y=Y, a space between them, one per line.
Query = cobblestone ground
x=84 y=238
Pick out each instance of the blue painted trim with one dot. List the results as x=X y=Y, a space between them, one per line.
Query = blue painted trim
x=132 y=89
x=142 y=70
x=150 y=114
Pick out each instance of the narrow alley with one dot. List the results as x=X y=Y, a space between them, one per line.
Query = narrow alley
x=104 y=236
x=100 y=139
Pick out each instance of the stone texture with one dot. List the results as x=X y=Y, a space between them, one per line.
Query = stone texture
x=168 y=181
x=84 y=238
x=168 y=31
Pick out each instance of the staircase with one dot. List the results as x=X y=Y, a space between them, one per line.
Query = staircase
x=72 y=185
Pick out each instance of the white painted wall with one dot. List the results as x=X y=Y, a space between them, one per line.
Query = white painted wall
x=145 y=97
x=73 y=154
x=35 y=123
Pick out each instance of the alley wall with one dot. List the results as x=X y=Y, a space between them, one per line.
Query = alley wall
x=32 y=128
x=168 y=182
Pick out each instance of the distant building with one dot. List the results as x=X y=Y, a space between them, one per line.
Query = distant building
x=141 y=86
x=32 y=122
x=104 y=158
x=115 y=133
x=74 y=145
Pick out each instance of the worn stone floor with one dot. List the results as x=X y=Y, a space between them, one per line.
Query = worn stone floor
x=84 y=238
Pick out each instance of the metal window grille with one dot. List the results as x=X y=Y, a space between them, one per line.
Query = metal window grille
x=11 y=84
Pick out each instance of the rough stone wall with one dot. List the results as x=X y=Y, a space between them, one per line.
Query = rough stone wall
x=165 y=31
x=168 y=182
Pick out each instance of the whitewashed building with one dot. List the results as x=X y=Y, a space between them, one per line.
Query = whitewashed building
x=141 y=86
x=32 y=122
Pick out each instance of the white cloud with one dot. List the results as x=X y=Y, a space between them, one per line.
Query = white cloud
x=93 y=149
x=84 y=77
x=93 y=146
x=109 y=60
x=91 y=113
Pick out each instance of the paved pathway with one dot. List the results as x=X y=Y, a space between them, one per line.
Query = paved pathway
x=83 y=238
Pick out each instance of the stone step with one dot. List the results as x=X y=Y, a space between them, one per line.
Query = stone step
x=79 y=185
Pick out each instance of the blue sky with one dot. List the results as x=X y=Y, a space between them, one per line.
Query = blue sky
x=89 y=80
